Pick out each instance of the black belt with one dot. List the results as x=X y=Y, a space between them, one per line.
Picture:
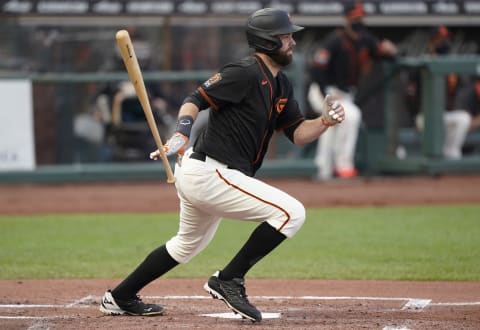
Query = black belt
x=201 y=156
x=198 y=156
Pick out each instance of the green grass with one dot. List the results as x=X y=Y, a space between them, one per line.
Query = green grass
x=399 y=243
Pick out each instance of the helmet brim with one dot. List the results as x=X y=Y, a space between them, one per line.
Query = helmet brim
x=291 y=29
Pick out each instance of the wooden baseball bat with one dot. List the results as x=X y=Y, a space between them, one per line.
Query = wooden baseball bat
x=134 y=72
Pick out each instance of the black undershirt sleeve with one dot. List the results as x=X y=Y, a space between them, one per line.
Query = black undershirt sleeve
x=197 y=99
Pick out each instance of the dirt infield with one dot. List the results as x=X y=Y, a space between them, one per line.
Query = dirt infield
x=287 y=304
x=302 y=304
x=159 y=196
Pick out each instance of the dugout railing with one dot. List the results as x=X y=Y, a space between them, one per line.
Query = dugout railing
x=376 y=152
x=429 y=159
x=280 y=160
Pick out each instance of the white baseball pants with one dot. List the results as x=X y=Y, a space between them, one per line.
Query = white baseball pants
x=457 y=124
x=209 y=191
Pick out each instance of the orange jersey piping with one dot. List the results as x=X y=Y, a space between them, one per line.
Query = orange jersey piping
x=207 y=98
x=258 y=198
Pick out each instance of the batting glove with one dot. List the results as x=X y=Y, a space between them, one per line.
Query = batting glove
x=333 y=112
x=175 y=145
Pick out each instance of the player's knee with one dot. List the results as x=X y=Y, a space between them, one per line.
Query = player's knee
x=297 y=215
x=352 y=113
x=181 y=251
x=464 y=120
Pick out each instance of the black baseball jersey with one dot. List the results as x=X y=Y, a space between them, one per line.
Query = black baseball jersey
x=469 y=99
x=247 y=105
x=340 y=59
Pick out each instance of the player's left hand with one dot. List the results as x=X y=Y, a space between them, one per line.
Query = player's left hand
x=175 y=145
x=333 y=112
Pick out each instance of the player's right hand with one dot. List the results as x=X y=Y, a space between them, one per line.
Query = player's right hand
x=175 y=145
x=333 y=112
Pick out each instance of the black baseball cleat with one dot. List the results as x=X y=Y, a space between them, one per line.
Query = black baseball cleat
x=232 y=292
x=135 y=306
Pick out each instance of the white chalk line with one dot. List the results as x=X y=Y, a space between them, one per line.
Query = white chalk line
x=23 y=317
x=286 y=297
x=88 y=301
x=31 y=306
x=473 y=303
x=30 y=317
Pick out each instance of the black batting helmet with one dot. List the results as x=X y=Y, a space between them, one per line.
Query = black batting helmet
x=265 y=25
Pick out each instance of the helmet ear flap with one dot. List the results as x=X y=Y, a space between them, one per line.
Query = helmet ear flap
x=263 y=42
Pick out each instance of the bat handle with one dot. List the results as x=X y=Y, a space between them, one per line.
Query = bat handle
x=166 y=164
x=158 y=142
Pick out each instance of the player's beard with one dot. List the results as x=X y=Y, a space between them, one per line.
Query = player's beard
x=282 y=59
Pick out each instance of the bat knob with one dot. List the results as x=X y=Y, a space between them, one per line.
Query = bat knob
x=121 y=34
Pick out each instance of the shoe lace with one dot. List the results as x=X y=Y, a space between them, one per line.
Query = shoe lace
x=135 y=300
x=237 y=289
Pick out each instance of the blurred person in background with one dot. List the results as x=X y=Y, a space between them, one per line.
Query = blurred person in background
x=456 y=120
x=127 y=109
x=337 y=66
x=474 y=106
x=440 y=41
x=128 y=132
x=468 y=101
x=128 y=136
x=89 y=132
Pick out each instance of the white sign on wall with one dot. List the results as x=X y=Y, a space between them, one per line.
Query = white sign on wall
x=17 y=148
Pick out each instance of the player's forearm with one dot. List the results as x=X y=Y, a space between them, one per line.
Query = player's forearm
x=309 y=131
x=188 y=109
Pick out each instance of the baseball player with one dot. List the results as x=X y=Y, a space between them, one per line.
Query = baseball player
x=462 y=119
x=456 y=118
x=336 y=69
x=248 y=99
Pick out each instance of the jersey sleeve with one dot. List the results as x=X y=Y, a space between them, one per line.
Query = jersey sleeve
x=230 y=85
x=374 y=46
x=290 y=117
x=467 y=100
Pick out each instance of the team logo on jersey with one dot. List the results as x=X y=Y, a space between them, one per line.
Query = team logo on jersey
x=212 y=80
x=281 y=105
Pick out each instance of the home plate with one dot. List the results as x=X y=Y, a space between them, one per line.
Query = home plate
x=238 y=316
